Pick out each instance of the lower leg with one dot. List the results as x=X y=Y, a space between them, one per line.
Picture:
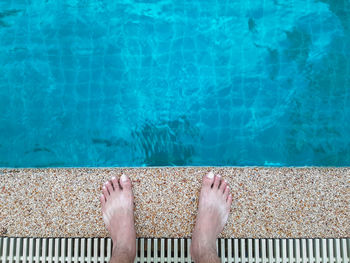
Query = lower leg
x=121 y=256
x=205 y=254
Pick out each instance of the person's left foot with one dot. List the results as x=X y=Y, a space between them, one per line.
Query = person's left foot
x=117 y=203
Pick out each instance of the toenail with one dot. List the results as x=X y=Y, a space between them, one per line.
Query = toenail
x=210 y=174
x=218 y=175
x=113 y=177
x=124 y=178
x=106 y=183
x=103 y=187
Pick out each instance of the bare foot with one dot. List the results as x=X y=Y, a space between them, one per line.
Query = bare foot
x=214 y=206
x=117 y=203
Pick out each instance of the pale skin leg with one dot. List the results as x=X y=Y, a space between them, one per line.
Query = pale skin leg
x=117 y=203
x=214 y=207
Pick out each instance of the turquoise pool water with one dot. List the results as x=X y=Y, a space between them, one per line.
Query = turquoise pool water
x=152 y=83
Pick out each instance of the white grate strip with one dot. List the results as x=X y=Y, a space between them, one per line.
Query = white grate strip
x=250 y=250
x=96 y=250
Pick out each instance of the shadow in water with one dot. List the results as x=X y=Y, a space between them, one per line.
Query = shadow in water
x=6 y=13
x=166 y=143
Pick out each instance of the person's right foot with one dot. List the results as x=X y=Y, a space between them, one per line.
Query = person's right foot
x=214 y=206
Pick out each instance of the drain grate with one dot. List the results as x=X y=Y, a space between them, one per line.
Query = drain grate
x=176 y=250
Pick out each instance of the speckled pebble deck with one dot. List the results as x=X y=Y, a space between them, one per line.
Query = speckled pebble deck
x=268 y=202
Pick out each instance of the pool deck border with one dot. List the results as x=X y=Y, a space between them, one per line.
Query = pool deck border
x=269 y=202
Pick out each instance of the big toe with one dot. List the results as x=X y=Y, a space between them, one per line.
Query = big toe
x=125 y=182
x=208 y=179
x=102 y=200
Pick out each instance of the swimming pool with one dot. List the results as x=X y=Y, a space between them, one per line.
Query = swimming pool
x=152 y=83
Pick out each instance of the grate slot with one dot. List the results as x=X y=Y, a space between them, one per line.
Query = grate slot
x=223 y=249
x=277 y=251
x=343 y=250
x=76 y=250
x=142 y=250
x=269 y=250
x=297 y=250
x=149 y=251
x=102 y=249
x=182 y=250
x=155 y=250
x=304 y=253
x=189 y=251
x=176 y=254
x=169 y=252
x=162 y=254
x=250 y=251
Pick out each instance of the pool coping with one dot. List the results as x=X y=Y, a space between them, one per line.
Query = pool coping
x=269 y=202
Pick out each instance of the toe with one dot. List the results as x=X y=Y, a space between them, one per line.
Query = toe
x=208 y=179
x=125 y=182
x=229 y=200
x=227 y=192
x=223 y=185
x=109 y=187
x=115 y=183
x=102 y=200
x=217 y=181
x=105 y=191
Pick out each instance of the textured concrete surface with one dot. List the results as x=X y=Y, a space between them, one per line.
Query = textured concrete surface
x=268 y=202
